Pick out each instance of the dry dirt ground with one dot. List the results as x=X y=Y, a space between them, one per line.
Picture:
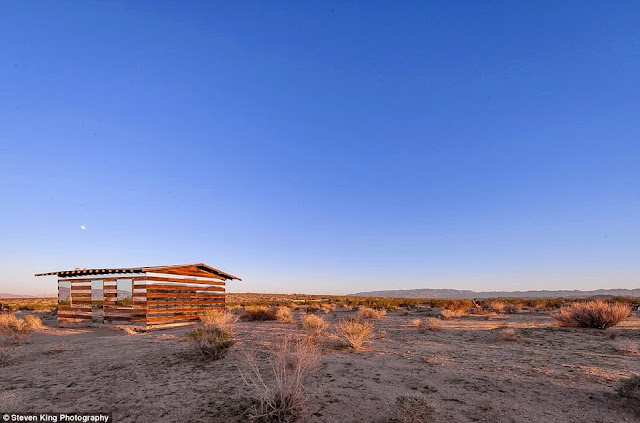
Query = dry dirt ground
x=466 y=371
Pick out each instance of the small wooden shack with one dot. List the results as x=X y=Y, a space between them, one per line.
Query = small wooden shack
x=143 y=296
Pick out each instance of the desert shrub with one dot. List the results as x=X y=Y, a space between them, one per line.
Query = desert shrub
x=281 y=393
x=315 y=325
x=459 y=305
x=32 y=322
x=5 y=359
x=451 y=314
x=211 y=341
x=218 y=318
x=354 y=332
x=508 y=335
x=429 y=323
x=260 y=313
x=510 y=308
x=629 y=348
x=370 y=313
x=629 y=387
x=597 y=314
x=284 y=314
x=327 y=308
x=214 y=335
x=496 y=306
x=57 y=348
x=16 y=330
x=414 y=409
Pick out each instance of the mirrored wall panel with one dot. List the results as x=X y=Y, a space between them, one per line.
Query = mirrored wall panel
x=124 y=293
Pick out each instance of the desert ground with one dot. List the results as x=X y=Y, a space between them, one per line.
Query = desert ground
x=473 y=370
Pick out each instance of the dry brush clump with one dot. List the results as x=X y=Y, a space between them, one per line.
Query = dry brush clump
x=213 y=337
x=597 y=314
x=370 y=313
x=414 y=409
x=315 y=325
x=455 y=309
x=629 y=387
x=354 y=332
x=280 y=389
x=259 y=313
x=428 y=324
x=284 y=314
x=629 y=348
x=511 y=308
x=15 y=329
x=508 y=335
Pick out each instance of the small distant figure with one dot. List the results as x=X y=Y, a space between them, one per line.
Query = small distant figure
x=476 y=305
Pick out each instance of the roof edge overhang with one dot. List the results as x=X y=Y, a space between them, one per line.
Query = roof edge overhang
x=183 y=268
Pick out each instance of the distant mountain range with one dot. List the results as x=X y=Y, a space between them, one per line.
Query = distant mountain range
x=466 y=294
x=6 y=295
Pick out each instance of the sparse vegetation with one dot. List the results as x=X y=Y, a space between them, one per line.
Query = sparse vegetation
x=629 y=387
x=214 y=336
x=597 y=314
x=5 y=359
x=496 y=306
x=414 y=409
x=281 y=393
x=629 y=348
x=355 y=332
x=222 y=318
x=260 y=313
x=370 y=313
x=508 y=335
x=428 y=324
x=284 y=314
x=447 y=314
x=511 y=308
x=15 y=329
x=316 y=326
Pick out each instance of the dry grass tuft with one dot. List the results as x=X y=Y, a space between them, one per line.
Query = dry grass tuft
x=496 y=306
x=511 y=308
x=596 y=314
x=414 y=409
x=284 y=314
x=370 y=313
x=429 y=323
x=354 y=332
x=16 y=330
x=259 y=313
x=58 y=348
x=327 y=308
x=214 y=336
x=315 y=325
x=32 y=322
x=281 y=393
x=218 y=318
x=5 y=359
x=629 y=348
x=508 y=335
x=629 y=387
x=447 y=314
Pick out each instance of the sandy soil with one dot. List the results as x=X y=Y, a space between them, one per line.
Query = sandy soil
x=467 y=371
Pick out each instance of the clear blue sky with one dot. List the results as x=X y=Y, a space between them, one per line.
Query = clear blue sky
x=323 y=148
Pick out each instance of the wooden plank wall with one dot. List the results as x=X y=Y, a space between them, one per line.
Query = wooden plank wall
x=156 y=301
x=170 y=300
x=79 y=311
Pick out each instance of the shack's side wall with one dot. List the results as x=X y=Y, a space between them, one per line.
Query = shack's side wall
x=77 y=310
x=157 y=299
x=171 y=300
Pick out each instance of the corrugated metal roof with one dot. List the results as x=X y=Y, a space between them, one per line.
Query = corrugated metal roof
x=196 y=269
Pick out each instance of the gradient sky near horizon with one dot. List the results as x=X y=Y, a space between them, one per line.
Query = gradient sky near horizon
x=323 y=147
